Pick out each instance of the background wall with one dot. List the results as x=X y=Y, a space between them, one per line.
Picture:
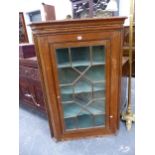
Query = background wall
x=124 y=9
x=62 y=9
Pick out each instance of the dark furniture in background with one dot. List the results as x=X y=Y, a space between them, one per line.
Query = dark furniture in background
x=35 y=16
x=30 y=84
x=90 y=8
x=23 y=38
x=26 y=50
x=49 y=12
x=30 y=90
x=80 y=62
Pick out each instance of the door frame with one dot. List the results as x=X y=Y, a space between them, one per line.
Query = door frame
x=94 y=130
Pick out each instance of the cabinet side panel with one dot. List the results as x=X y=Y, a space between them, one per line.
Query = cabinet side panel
x=42 y=52
x=115 y=79
x=120 y=76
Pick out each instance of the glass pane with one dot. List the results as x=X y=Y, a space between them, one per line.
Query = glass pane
x=85 y=121
x=70 y=123
x=67 y=93
x=81 y=72
x=99 y=120
x=67 y=75
x=98 y=55
x=80 y=56
x=83 y=98
x=97 y=107
x=71 y=109
x=82 y=86
x=95 y=73
x=63 y=58
x=99 y=90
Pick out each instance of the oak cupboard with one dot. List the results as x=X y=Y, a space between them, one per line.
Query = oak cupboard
x=80 y=62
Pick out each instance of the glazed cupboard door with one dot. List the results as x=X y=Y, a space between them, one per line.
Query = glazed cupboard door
x=82 y=86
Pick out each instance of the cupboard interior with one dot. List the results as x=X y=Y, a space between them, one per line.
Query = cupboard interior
x=81 y=72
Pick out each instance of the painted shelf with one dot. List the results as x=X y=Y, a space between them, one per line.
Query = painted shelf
x=82 y=87
x=74 y=109
x=80 y=64
x=93 y=74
